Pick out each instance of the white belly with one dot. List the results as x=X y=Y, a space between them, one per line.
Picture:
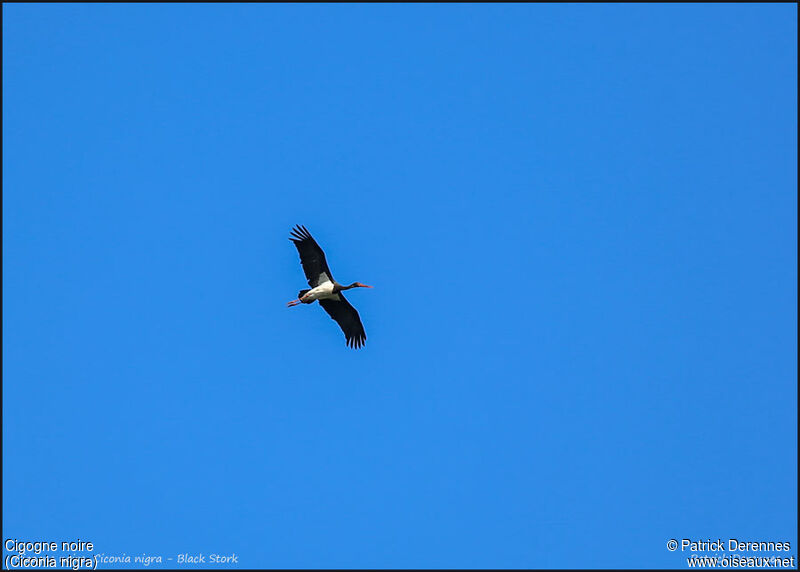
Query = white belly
x=324 y=290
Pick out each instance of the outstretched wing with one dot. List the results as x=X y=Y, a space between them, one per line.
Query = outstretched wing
x=311 y=257
x=347 y=318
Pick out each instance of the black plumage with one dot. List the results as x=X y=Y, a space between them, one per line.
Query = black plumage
x=348 y=319
x=317 y=273
x=311 y=257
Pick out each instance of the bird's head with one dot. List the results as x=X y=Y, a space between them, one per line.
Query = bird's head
x=358 y=285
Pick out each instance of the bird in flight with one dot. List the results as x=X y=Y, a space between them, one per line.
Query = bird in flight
x=325 y=289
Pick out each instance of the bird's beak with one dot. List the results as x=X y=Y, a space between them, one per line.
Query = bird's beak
x=364 y=285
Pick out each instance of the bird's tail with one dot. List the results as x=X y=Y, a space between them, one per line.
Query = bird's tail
x=302 y=293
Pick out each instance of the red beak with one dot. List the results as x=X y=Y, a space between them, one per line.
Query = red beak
x=364 y=285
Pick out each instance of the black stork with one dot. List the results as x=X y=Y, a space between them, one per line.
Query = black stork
x=325 y=289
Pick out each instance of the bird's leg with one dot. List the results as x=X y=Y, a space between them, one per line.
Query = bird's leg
x=293 y=303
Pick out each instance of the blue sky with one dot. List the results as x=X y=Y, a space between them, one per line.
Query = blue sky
x=580 y=222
